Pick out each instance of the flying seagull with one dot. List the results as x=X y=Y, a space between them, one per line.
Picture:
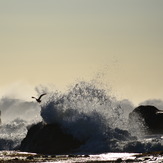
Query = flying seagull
x=39 y=99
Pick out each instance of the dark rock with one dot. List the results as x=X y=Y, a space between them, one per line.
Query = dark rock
x=130 y=160
x=7 y=144
x=71 y=155
x=30 y=158
x=148 y=117
x=48 y=139
x=45 y=156
x=119 y=160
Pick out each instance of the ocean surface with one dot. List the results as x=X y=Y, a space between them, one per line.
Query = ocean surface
x=85 y=111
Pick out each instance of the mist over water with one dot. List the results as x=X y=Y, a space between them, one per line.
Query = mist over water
x=90 y=113
x=86 y=111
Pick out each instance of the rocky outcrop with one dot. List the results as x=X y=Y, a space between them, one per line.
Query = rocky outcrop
x=148 y=117
x=48 y=139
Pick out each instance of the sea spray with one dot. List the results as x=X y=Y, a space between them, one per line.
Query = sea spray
x=83 y=98
x=16 y=116
x=90 y=115
x=16 y=108
x=85 y=111
x=12 y=133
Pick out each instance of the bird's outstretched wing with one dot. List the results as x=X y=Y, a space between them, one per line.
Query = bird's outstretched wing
x=42 y=95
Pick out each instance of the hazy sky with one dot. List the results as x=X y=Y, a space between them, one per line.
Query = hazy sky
x=61 y=41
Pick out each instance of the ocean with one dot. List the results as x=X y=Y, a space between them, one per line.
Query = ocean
x=86 y=112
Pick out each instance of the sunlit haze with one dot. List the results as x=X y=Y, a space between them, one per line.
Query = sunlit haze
x=57 y=42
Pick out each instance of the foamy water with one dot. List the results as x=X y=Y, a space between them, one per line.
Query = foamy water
x=88 y=113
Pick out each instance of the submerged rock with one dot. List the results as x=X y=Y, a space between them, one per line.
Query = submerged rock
x=48 y=139
x=147 y=117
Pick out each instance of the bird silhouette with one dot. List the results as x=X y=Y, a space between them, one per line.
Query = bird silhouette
x=39 y=99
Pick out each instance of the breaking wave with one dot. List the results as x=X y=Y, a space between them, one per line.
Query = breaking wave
x=16 y=116
x=91 y=115
x=85 y=111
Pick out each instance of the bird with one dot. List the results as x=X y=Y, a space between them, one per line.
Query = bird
x=39 y=99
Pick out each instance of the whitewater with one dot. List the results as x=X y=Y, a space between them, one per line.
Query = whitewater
x=85 y=111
